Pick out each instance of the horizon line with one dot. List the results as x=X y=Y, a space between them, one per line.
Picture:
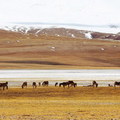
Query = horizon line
x=68 y=24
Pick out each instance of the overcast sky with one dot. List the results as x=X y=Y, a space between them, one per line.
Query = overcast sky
x=61 y=11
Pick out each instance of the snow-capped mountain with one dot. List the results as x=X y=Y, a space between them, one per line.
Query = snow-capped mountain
x=65 y=30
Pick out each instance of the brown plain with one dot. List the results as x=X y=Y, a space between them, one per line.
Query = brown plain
x=50 y=52
x=56 y=103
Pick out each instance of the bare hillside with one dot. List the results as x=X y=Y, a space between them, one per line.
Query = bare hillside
x=21 y=51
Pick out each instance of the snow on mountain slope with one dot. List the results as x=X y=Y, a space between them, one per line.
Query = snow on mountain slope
x=112 y=28
x=88 y=35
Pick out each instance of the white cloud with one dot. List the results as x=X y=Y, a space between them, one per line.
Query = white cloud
x=60 y=11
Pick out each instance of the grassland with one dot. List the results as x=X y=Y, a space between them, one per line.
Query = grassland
x=50 y=52
x=54 y=103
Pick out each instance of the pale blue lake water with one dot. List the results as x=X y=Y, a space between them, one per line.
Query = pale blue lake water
x=82 y=77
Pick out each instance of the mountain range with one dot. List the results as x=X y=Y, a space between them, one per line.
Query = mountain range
x=62 y=30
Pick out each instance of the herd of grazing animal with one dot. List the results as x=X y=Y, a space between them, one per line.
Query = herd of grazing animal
x=63 y=84
x=34 y=84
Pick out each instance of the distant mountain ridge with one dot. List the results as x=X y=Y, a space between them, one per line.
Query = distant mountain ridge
x=36 y=31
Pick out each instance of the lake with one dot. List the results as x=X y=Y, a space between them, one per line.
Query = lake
x=82 y=77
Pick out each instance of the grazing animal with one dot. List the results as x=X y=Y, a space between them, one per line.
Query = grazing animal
x=56 y=84
x=24 y=85
x=4 y=85
x=45 y=83
x=39 y=83
x=64 y=84
x=34 y=85
x=70 y=83
x=74 y=84
x=95 y=84
x=116 y=83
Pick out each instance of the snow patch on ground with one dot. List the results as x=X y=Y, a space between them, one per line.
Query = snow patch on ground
x=57 y=35
x=8 y=42
x=52 y=48
x=88 y=35
x=102 y=49
x=73 y=35
x=18 y=41
x=38 y=32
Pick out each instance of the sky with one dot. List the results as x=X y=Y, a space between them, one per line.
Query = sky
x=90 y=12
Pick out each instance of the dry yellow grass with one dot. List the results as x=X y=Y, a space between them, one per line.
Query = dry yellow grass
x=54 y=103
x=69 y=53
